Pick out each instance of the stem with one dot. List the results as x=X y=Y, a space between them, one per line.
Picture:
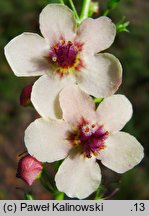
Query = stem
x=28 y=196
x=50 y=189
x=106 y=12
x=74 y=10
x=98 y=195
x=61 y=1
x=85 y=10
x=50 y=179
x=59 y=196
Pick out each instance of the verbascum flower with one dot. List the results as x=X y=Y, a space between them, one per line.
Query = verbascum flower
x=66 y=55
x=82 y=137
x=29 y=169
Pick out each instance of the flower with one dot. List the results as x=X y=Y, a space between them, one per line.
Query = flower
x=65 y=55
x=29 y=169
x=83 y=136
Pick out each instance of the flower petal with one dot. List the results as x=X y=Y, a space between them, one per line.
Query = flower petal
x=76 y=105
x=114 y=112
x=26 y=55
x=122 y=152
x=46 y=140
x=45 y=95
x=57 y=21
x=101 y=76
x=78 y=176
x=96 y=34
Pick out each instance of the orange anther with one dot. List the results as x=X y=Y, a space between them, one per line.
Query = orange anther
x=87 y=129
x=106 y=133
x=56 y=47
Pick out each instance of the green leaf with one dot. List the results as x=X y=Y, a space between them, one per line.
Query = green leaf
x=28 y=196
x=99 y=193
x=121 y=26
x=112 y=4
x=59 y=196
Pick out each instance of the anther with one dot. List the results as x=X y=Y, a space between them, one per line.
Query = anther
x=54 y=59
x=62 y=42
x=87 y=129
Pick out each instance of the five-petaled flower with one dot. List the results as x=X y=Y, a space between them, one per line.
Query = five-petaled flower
x=29 y=169
x=66 y=55
x=83 y=136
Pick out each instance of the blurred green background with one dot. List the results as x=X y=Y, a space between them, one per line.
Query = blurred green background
x=133 y=51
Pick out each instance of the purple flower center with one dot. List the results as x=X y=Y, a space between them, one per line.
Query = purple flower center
x=89 y=137
x=64 y=54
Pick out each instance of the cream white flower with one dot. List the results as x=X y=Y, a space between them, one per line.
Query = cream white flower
x=82 y=137
x=66 y=55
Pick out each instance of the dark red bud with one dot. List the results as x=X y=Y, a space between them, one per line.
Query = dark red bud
x=29 y=169
x=26 y=95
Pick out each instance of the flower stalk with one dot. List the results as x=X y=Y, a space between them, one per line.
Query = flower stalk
x=106 y=12
x=85 y=10
x=74 y=10
x=98 y=195
x=50 y=179
x=59 y=195
x=28 y=196
x=46 y=186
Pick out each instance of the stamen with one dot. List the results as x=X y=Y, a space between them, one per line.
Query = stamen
x=93 y=125
x=54 y=59
x=87 y=129
x=90 y=137
x=62 y=42
x=66 y=56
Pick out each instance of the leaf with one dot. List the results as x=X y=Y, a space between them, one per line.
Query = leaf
x=59 y=196
x=121 y=26
x=28 y=196
x=112 y=4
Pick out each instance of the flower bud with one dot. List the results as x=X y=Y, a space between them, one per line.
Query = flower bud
x=94 y=8
x=29 y=169
x=26 y=95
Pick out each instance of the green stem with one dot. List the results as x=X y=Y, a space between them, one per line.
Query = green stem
x=46 y=186
x=74 y=10
x=98 y=195
x=50 y=179
x=85 y=10
x=59 y=196
x=61 y=1
x=28 y=196
x=106 y=12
